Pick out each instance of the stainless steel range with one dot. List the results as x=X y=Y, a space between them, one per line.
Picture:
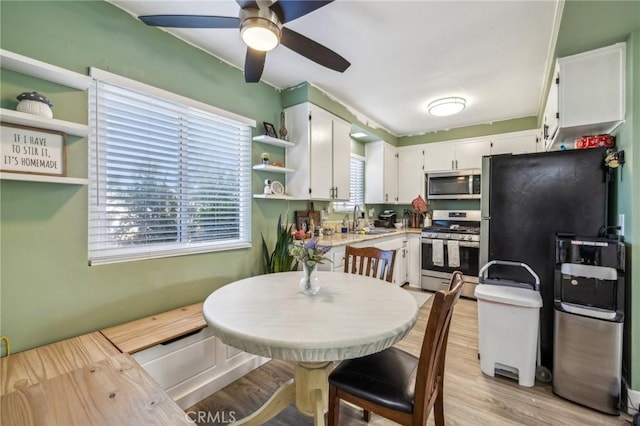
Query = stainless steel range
x=451 y=243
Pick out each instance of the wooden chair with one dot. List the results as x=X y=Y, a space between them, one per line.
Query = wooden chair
x=394 y=383
x=370 y=261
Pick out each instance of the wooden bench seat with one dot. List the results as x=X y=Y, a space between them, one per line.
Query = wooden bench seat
x=134 y=336
x=92 y=379
x=82 y=380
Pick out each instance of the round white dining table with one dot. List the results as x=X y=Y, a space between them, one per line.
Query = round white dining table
x=351 y=316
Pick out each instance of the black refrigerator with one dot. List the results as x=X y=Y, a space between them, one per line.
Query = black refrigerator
x=526 y=200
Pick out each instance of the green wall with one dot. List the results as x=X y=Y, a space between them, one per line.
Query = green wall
x=478 y=130
x=47 y=290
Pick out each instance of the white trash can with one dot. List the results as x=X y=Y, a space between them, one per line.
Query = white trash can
x=508 y=326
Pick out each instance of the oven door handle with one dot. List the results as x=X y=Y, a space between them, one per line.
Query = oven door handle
x=472 y=244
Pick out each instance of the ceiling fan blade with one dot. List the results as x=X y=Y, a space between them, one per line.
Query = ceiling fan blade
x=314 y=51
x=254 y=65
x=244 y=4
x=288 y=10
x=190 y=21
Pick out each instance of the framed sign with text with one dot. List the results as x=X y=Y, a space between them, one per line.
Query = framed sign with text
x=30 y=150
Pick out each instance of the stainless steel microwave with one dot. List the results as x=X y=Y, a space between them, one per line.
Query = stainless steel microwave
x=455 y=185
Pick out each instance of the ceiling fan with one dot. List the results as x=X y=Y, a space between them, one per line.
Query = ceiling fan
x=261 y=28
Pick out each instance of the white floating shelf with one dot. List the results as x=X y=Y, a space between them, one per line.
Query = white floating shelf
x=33 y=67
x=272 y=141
x=270 y=168
x=32 y=120
x=274 y=197
x=41 y=178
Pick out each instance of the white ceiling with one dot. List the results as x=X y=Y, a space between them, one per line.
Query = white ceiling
x=403 y=55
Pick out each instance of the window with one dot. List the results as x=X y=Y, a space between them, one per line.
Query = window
x=167 y=178
x=356 y=186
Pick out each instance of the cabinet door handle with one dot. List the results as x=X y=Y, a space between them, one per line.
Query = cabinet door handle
x=545 y=132
x=386 y=197
x=452 y=165
x=336 y=193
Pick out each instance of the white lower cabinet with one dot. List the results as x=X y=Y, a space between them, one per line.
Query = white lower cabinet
x=397 y=243
x=407 y=265
x=414 y=259
x=194 y=366
x=336 y=255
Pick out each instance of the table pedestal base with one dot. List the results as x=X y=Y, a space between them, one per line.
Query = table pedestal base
x=309 y=390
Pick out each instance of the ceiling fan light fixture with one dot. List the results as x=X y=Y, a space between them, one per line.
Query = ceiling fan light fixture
x=446 y=106
x=260 y=29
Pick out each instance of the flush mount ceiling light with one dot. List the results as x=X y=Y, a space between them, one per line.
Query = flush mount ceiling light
x=446 y=106
x=260 y=29
x=358 y=135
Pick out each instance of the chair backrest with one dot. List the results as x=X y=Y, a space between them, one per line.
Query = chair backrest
x=370 y=261
x=434 y=346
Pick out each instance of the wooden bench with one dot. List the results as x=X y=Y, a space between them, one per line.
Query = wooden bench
x=134 y=336
x=139 y=372
x=82 y=380
x=92 y=379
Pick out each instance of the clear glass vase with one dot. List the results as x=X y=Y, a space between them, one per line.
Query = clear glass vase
x=309 y=283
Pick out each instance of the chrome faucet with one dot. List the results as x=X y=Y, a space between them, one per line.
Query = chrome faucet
x=356 y=210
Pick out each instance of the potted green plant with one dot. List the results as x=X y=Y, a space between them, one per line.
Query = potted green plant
x=279 y=260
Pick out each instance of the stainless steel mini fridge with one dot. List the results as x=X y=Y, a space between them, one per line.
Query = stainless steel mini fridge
x=588 y=321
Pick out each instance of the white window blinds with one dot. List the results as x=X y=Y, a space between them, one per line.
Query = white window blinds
x=356 y=186
x=166 y=179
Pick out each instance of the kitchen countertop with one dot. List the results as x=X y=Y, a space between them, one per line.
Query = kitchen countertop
x=339 y=239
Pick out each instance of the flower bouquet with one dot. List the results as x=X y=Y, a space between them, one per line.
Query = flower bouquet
x=309 y=254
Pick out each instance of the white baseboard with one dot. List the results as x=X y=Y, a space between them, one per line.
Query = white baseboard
x=634 y=401
x=210 y=381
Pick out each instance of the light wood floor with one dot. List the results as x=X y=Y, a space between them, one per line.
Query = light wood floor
x=471 y=398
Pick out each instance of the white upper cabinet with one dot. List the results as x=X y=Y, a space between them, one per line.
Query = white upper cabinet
x=454 y=155
x=550 y=118
x=380 y=173
x=341 y=159
x=410 y=173
x=469 y=153
x=516 y=143
x=320 y=154
x=397 y=175
x=591 y=94
x=439 y=156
